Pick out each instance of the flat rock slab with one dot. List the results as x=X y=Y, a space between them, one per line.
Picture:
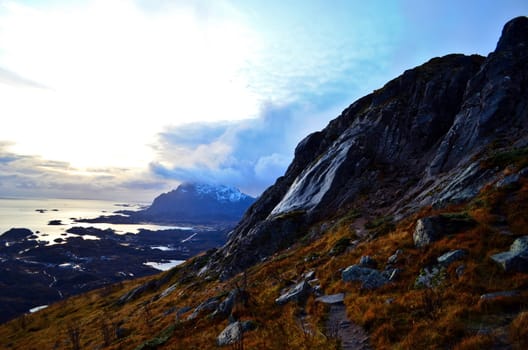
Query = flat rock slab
x=332 y=299
x=502 y=294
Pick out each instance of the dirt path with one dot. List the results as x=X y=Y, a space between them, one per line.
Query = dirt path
x=352 y=336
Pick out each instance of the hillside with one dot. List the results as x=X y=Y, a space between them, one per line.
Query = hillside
x=408 y=212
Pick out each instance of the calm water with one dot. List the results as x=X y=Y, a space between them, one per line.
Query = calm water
x=22 y=213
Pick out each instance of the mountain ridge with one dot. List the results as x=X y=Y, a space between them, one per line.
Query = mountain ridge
x=416 y=134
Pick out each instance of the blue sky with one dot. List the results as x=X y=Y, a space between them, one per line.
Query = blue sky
x=124 y=99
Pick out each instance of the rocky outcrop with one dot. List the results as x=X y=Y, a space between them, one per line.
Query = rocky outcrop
x=368 y=277
x=433 y=228
x=419 y=140
x=299 y=293
x=451 y=256
x=516 y=259
x=233 y=332
x=209 y=305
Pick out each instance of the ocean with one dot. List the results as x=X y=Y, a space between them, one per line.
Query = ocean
x=35 y=215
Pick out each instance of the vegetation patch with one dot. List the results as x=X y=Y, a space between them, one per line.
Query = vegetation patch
x=517 y=157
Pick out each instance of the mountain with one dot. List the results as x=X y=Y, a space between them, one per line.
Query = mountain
x=401 y=225
x=199 y=203
x=420 y=140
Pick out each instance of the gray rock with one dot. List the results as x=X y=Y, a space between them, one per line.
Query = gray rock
x=208 y=305
x=430 y=277
x=332 y=299
x=425 y=233
x=508 y=181
x=433 y=228
x=502 y=294
x=516 y=259
x=168 y=291
x=225 y=307
x=136 y=292
x=318 y=290
x=512 y=261
x=367 y=261
x=299 y=293
x=394 y=257
x=451 y=256
x=233 y=332
x=369 y=278
x=524 y=172
x=310 y=275
x=519 y=245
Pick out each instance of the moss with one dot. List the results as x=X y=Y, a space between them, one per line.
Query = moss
x=380 y=226
x=160 y=339
x=290 y=215
x=517 y=157
x=340 y=246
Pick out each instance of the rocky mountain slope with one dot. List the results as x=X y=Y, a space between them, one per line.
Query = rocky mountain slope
x=400 y=225
x=417 y=141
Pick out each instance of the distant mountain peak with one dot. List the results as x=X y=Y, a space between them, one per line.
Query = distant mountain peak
x=199 y=202
x=221 y=193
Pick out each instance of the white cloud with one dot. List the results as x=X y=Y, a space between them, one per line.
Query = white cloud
x=117 y=75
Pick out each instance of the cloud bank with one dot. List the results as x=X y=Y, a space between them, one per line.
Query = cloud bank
x=32 y=176
x=250 y=154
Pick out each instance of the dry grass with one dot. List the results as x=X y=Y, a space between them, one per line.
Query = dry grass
x=397 y=316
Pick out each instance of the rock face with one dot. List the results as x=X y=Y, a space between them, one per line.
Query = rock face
x=203 y=203
x=417 y=141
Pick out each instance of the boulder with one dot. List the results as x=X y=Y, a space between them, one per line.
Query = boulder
x=516 y=259
x=332 y=299
x=451 y=256
x=508 y=182
x=501 y=294
x=426 y=232
x=299 y=293
x=208 y=305
x=433 y=228
x=233 y=332
x=519 y=245
x=367 y=261
x=225 y=307
x=369 y=278
x=511 y=261
x=136 y=292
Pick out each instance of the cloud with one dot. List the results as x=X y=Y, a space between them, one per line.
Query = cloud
x=249 y=154
x=13 y=79
x=31 y=175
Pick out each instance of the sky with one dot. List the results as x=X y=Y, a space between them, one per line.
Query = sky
x=125 y=99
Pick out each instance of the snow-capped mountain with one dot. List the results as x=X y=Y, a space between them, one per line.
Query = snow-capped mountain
x=199 y=203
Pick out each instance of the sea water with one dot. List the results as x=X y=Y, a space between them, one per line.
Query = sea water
x=35 y=215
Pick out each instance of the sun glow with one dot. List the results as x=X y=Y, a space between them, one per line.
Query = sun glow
x=102 y=78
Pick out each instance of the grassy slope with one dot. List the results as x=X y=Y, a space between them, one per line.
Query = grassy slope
x=448 y=316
